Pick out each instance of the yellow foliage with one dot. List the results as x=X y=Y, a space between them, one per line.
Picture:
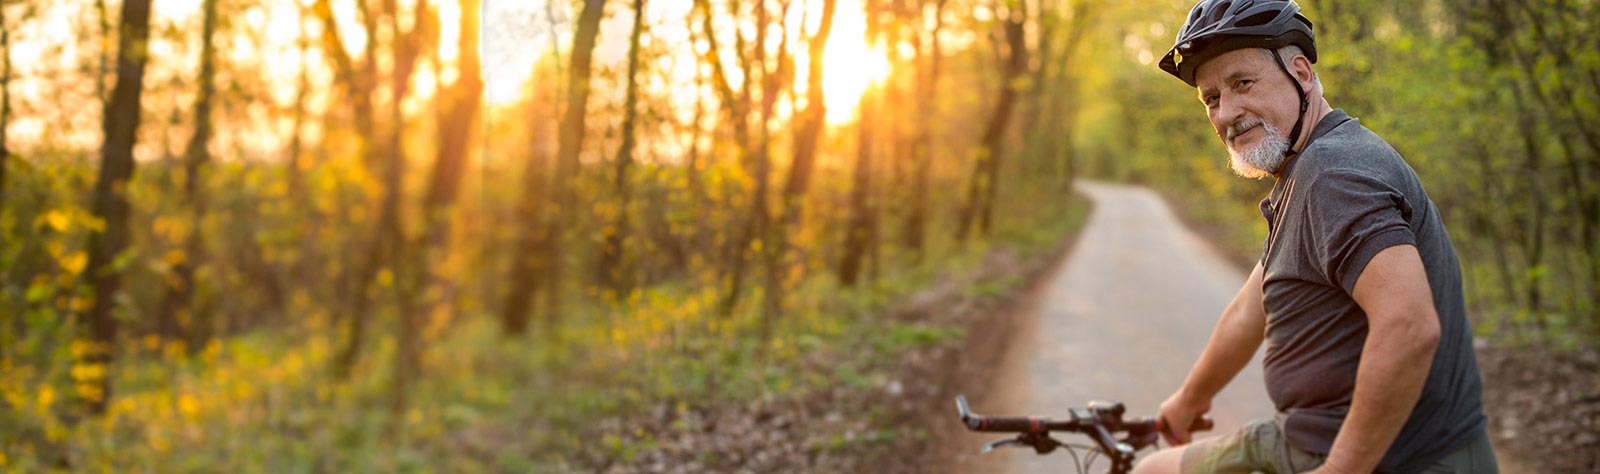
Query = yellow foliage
x=122 y=406
x=74 y=262
x=213 y=347
x=57 y=219
x=175 y=257
x=81 y=303
x=89 y=391
x=55 y=432
x=88 y=372
x=47 y=396
x=159 y=443
x=14 y=397
x=189 y=407
x=174 y=349
x=172 y=228
x=151 y=342
x=385 y=278
x=55 y=248
x=79 y=348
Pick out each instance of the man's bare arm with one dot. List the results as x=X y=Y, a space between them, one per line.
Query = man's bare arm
x=1402 y=334
x=1237 y=336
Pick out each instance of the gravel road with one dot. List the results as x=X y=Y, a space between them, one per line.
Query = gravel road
x=1123 y=319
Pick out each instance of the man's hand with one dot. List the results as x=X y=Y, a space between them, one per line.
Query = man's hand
x=1177 y=415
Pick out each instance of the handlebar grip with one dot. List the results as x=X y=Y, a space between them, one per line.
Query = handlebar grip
x=1005 y=424
x=1203 y=423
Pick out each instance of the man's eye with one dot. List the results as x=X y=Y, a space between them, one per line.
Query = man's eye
x=1211 y=101
x=1244 y=84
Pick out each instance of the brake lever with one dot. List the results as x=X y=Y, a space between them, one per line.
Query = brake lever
x=1002 y=443
x=1041 y=443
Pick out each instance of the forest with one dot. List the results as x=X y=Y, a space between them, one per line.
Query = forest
x=464 y=235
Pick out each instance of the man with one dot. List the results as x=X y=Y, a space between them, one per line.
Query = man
x=1358 y=292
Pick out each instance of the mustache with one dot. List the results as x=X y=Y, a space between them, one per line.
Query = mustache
x=1241 y=125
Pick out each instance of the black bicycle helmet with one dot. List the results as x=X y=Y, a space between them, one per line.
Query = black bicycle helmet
x=1215 y=27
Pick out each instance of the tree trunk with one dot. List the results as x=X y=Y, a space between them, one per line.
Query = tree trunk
x=1534 y=241
x=547 y=222
x=357 y=81
x=111 y=205
x=387 y=243
x=357 y=84
x=5 y=102
x=1065 y=90
x=295 y=169
x=407 y=258
x=737 y=109
x=697 y=189
x=922 y=151
x=1493 y=230
x=808 y=134
x=527 y=262
x=455 y=126
x=179 y=320
x=610 y=269
x=984 y=181
x=858 y=230
x=571 y=143
x=104 y=56
x=774 y=82
x=809 y=130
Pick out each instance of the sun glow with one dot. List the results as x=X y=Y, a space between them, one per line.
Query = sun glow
x=850 y=64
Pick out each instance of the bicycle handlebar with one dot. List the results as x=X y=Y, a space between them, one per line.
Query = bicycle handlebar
x=1098 y=421
x=1106 y=414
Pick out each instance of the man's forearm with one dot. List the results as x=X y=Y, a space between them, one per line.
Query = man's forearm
x=1229 y=350
x=1394 y=366
x=1237 y=336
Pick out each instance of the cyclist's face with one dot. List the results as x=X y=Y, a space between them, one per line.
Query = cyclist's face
x=1243 y=88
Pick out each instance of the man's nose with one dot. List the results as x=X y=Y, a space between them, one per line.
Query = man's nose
x=1224 y=115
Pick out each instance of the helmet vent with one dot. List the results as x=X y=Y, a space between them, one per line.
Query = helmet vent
x=1258 y=19
x=1221 y=10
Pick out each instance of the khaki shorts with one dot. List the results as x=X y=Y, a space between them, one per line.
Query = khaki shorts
x=1261 y=447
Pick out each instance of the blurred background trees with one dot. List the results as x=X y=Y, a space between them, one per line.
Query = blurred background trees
x=297 y=211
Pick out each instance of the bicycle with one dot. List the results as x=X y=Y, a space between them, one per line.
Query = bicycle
x=1099 y=420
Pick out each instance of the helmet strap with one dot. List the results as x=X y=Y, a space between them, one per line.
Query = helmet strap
x=1305 y=102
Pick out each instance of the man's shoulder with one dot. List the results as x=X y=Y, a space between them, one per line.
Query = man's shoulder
x=1350 y=149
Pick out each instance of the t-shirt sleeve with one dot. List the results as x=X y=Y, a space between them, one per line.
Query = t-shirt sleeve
x=1355 y=216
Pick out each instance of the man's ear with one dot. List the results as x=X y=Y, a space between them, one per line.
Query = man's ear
x=1301 y=67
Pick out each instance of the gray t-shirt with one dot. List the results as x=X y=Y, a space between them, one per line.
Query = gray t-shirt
x=1346 y=197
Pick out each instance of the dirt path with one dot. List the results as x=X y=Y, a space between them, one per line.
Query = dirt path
x=1123 y=319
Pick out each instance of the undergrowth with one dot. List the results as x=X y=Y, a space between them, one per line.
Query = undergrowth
x=266 y=401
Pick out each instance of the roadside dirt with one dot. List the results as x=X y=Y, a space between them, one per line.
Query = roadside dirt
x=1543 y=407
x=900 y=426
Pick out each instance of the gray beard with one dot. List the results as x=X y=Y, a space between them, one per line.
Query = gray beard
x=1263 y=159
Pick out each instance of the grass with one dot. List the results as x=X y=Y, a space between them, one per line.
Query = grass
x=265 y=402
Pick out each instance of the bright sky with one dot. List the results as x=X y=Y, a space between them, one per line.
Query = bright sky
x=853 y=65
x=49 y=55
